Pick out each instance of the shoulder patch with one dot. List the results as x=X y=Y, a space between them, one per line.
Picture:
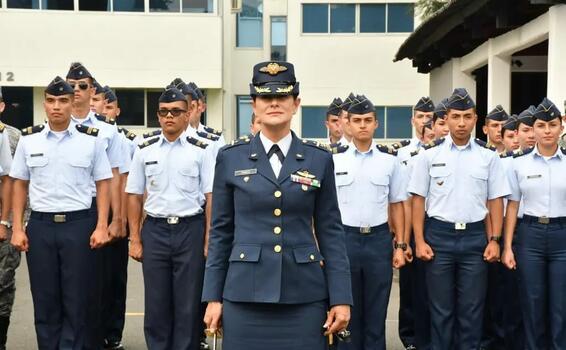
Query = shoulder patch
x=242 y=140
x=107 y=120
x=401 y=144
x=485 y=145
x=415 y=152
x=129 y=135
x=386 y=149
x=212 y=131
x=337 y=148
x=208 y=136
x=506 y=154
x=148 y=142
x=522 y=152
x=434 y=143
x=152 y=133
x=89 y=130
x=197 y=142
x=32 y=129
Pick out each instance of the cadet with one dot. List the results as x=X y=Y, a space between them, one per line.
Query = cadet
x=422 y=113
x=98 y=98
x=263 y=276
x=175 y=171
x=428 y=132
x=62 y=231
x=332 y=122
x=439 y=125
x=537 y=178
x=509 y=134
x=492 y=128
x=346 y=134
x=525 y=131
x=196 y=121
x=460 y=180
x=368 y=183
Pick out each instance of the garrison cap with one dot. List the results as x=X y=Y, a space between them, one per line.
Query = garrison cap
x=428 y=125
x=526 y=116
x=348 y=101
x=172 y=94
x=547 y=111
x=274 y=79
x=498 y=114
x=440 y=110
x=185 y=89
x=510 y=124
x=59 y=87
x=196 y=89
x=460 y=100
x=361 y=105
x=78 y=71
x=98 y=89
x=335 y=107
x=109 y=94
x=425 y=104
x=177 y=81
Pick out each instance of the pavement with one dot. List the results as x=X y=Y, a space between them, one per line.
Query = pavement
x=21 y=334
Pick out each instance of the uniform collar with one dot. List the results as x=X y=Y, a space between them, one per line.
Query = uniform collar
x=90 y=117
x=344 y=141
x=284 y=144
x=416 y=143
x=368 y=152
x=558 y=153
x=452 y=145
x=182 y=139
x=71 y=130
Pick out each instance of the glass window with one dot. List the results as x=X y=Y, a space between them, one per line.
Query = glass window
x=342 y=18
x=152 y=104
x=99 y=5
x=399 y=122
x=279 y=38
x=23 y=4
x=198 y=6
x=315 y=18
x=244 y=114
x=313 y=119
x=132 y=106
x=19 y=106
x=164 y=6
x=380 y=131
x=57 y=4
x=250 y=24
x=372 y=18
x=128 y=5
x=400 y=18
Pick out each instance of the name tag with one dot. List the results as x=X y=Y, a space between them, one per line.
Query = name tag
x=151 y=162
x=245 y=172
x=36 y=155
x=534 y=176
x=342 y=173
x=436 y=165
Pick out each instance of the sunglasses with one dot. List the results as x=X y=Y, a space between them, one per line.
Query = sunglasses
x=174 y=112
x=82 y=86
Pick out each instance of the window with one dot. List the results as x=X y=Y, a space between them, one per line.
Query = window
x=57 y=4
x=398 y=122
x=244 y=115
x=128 y=5
x=380 y=131
x=19 y=106
x=152 y=104
x=198 y=6
x=23 y=4
x=250 y=24
x=132 y=106
x=279 y=38
x=342 y=18
x=400 y=18
x=164 y=6
x=315 y=18
x=313 y=122
x=100 y=5
x=372 y=18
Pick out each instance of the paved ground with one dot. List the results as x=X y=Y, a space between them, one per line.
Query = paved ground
x=22 y=335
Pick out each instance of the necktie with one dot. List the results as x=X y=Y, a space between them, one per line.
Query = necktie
x=277 y=151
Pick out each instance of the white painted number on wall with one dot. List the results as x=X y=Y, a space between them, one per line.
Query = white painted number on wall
x=8 y=76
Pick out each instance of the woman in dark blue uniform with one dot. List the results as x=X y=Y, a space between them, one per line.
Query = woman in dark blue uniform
x=270 y=282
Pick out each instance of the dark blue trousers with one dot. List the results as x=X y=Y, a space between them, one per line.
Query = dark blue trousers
x=541 y=262
x=173 y=270
x=493 y=337
x=371 y=268
x=421 y=305
x=60 y=264
x=407 y=313
x=514 y=336
x=456 y=282
x=115 y=286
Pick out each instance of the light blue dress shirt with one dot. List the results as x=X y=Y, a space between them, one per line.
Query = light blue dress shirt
x=60 y=168
x=5 y=154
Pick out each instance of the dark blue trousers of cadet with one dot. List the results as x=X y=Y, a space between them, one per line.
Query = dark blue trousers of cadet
x=61 y=266
x=407 y=314
x=493 y=337
x=371 y=268
x=456 y=283
x=514 y=336
x=420 y=305
x=173 y=271
x=115 y=285
x=541 y=262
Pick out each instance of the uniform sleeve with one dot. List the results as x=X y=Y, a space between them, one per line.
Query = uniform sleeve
x=513 y=180
x=114 y=150
x=101 y=167
x=331 y=238
x=497 y=182
x=19 y=168
x=397 y=184
x=126 y=155
x=136 y=177
x=5 y=154
x=206 y=172
x=419 y=178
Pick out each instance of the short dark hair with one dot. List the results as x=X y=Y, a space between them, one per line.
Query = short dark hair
x=253 y=117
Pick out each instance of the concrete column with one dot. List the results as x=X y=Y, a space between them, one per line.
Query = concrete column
x=444 y=79
x=498 y=80
x=557 y=56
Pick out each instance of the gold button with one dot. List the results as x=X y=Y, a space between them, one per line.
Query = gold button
x=277 y=249
x=277 y=212
x=277 y=230
x=311 y=257
x=277 y=194
x=242 y=255
x=305 y=188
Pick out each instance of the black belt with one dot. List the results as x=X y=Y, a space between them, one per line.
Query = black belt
x=61 y=217
x=543 y=220
x=366 y=230
x=457 y=226
x=174 y=220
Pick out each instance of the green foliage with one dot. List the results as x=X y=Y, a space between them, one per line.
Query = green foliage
x=427 y=8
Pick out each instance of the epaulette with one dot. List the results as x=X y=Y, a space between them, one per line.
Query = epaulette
x=242 y=140
x=415 y=152
x=152 y=133
x=401 y=144
x=434 y=143
x=107 y=120
x=337 y=148
x=563 y=150
x=212 y=131
x=521 y=152
x=320 y=145
x=129 y=135
x=506 y=154
x=2 y=127
x=32 y=129
x=89 y=130
x=485 y=145
x=208 y=136
x=148 y=142
x=386 y=149
x=197 y=142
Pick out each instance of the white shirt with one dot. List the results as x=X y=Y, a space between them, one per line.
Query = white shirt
x=284 y=144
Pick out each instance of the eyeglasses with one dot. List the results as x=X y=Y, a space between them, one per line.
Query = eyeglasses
x=174 y=112
x=82 y=86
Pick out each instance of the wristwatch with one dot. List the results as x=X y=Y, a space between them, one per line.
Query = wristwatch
x=6 y=223
x=495 y=238
x=402 y=246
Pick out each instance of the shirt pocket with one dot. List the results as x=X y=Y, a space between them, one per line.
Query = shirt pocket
x=380 y=188
x=38 y=169
x=188 y=179
x=343 y=181
x=479 y=182
x=81 y=175
x=154 y=176
x=439 y=180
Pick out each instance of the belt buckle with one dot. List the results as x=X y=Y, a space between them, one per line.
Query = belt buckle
x=59 y=218
x=365 y=230
x=173 y=220
x=460 y=226
x=544 y=220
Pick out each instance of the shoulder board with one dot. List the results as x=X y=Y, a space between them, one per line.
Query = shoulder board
x=320 y=145
x=522 y=152
x=208 y=136
x=148 y=142
x=105 y=119
x=337 y=148
x=197 y=142
x=506 y=154
x=434 y=143
x=129 y=135
x=242 y=140
x=152 y=133
x=386 y=149
x=32 y=129
x=485 y=145
x=212 y=131
x=401 y=144
x=415 y=152
x=89 y=130
x=2 y=127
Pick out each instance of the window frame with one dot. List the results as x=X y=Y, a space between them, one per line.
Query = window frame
x=253 y=48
